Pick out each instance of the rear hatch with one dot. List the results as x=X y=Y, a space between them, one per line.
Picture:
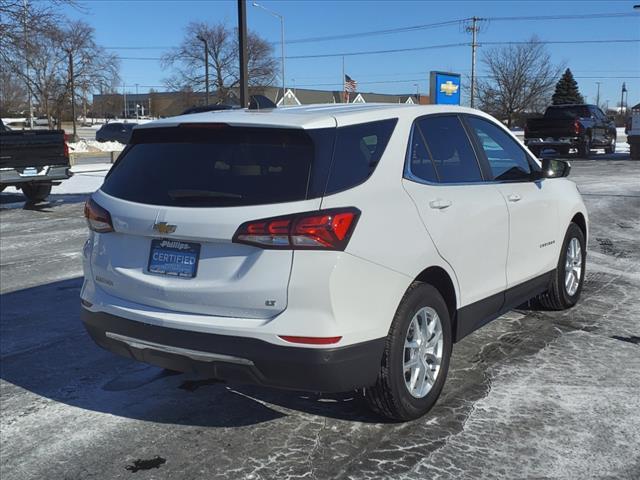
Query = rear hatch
x=176 y=197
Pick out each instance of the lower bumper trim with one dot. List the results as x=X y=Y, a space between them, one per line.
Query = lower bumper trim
x=192 y=354
x=239 y=359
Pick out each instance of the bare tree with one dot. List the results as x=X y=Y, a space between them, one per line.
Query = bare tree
x=37 y=49
x=520 y=79
x=187 y=60
x=13 y=93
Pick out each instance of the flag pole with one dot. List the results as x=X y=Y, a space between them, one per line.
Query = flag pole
x=344 y=84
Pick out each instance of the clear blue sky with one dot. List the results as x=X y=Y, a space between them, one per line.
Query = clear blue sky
x=161 y=24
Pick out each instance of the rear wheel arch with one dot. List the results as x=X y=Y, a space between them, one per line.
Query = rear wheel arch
x=442 y=281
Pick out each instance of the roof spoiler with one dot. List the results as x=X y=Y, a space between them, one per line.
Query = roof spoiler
x=260 y=102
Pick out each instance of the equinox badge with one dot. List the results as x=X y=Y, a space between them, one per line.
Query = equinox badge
x=164 y=227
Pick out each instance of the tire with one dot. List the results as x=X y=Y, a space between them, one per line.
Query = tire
x=36 y=192
x=612 y=146
x=585 y=148
x=559 y=296
x=390 y=396
x=2 y=187
x=634 y=150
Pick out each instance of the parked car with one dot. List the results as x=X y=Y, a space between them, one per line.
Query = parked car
x=326 y=248
x=632 y=130
x=115 y=132
x=583 y=127
x=42 y=121
x=33 y=161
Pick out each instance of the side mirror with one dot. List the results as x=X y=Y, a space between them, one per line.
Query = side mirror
x=554 y=168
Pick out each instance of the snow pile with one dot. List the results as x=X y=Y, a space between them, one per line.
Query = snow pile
x=94 y=146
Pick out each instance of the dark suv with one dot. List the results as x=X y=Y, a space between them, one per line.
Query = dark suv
x=115 y=132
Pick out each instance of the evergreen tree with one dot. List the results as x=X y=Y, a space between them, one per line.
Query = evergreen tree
x=567 y=90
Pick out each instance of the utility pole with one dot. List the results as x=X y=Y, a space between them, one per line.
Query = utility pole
x=624 y=89
x=206 y=67
x=598 y=95
x=124 y=94
x=26 y=61
x=242 y=43
x=474 y=45
x=137 y=104
x=73 y=98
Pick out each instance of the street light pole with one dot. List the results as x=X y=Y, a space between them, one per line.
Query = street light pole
x=137 y=104
x=206 y=67
x=281 y=17
x=598 y=95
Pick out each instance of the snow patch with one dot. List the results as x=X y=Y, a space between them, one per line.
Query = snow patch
x=84 y=146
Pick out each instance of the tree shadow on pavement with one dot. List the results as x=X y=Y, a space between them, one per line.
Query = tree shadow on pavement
x=44 y=349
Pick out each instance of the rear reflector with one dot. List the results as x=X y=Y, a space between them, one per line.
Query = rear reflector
x=98 y=219
x=318 y=230
x=311 y=340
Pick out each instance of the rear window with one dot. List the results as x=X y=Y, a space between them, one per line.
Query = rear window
x=215 y=165
x=567 y=112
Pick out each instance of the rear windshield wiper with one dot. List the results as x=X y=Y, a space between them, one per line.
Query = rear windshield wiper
x=195 y=194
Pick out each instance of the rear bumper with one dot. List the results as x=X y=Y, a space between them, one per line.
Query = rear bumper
x=555 y=143
x=238 y=359
x=12 y=176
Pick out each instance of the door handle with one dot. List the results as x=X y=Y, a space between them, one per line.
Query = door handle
x=514 y=197
x=440 y=204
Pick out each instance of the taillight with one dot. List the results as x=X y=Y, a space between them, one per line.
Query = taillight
x=98 y=219
x=66 y=145
x=319 y=230
x=577 y=127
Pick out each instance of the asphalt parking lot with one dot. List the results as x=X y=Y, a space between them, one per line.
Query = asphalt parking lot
x=535 y=394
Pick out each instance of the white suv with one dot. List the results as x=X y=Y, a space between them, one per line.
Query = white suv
x=327 y=247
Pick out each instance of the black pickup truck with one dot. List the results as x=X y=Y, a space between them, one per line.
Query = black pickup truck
x=33 y=160
x=583 y=127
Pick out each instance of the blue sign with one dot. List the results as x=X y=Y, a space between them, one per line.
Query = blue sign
x=445 y=88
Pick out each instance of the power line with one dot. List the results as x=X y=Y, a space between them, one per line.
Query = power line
x=425 y=26
x=377 y=32
x=138 y=48
x=465 y=44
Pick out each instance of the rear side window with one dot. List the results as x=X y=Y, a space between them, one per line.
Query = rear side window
x=217 y=165
x=450 y=150
x=420 y=163
x=358 y=149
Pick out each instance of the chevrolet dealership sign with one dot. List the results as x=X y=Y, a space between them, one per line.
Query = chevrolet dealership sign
x=445 y=88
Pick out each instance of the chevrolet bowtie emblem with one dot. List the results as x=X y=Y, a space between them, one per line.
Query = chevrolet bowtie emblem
x=164 y=227
x=448 y=88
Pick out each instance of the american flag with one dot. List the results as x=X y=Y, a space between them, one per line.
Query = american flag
x=350 y=84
